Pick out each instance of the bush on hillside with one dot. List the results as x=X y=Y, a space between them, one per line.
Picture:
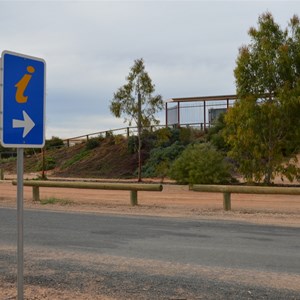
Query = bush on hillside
x=161 y=159
x=163 y=136
x=49 y=164
x=92 y=143
x=167 y=136
x=215 y=134
x=202 y=164
x=186 y=135
x=132 y=144
x=54 y=142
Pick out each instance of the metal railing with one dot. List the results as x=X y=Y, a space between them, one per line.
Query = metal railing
x=127 y=132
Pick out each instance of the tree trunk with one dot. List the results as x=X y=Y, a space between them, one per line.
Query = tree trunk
x=268 y=175
x=139 y=137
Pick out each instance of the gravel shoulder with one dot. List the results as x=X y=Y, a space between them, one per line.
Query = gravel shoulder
x=65 y=275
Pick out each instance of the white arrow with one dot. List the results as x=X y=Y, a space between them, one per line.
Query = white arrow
x=27 y=124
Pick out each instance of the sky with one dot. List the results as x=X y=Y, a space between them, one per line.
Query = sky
x=189 y=48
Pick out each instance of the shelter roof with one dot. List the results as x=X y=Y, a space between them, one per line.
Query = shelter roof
x=203 y=98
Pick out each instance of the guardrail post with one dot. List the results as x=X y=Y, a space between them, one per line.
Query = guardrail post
x=133 y=198
x=1 y=174
x=227 y=201
x=36 y=193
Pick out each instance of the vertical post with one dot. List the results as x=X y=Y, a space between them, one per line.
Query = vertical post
x=167 y=121
x=1 y=174
x=36 y=193
x=227 y=201
x=204 y=119
x=20 y=221
x=178 y=114
x=133 y=198
x=127 y=132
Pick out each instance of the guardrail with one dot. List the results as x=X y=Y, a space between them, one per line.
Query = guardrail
x=227 y=190
x=132 y=187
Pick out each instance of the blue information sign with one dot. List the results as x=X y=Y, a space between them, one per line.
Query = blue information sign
x=23 y=101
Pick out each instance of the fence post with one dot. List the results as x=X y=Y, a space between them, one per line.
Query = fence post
x=133 y=198
x=127 y=132
x=227 y=201
x=36 y=193
x=1 y=174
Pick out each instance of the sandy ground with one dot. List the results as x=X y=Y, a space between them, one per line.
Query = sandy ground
x=173 y=201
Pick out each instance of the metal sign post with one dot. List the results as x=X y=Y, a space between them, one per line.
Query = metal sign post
x=20 y=220
x=22 y=124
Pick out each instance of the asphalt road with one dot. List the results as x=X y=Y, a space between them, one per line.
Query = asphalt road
x=221 y=244
x=211 y=243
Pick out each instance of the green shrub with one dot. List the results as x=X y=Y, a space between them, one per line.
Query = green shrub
x=109 y=137
x=185 y=135
x=92 y=143
x=215 y=134
x=148 y=140
x=54 y=142
x=201 y=163
x=133 y=144
x=48 y=165
x=162 y=137
x=161 y=159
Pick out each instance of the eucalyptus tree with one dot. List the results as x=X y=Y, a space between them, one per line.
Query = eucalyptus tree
x=263 y=127
x=135 y=102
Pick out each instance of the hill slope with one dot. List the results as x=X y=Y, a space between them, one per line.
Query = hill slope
x=108 y=160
